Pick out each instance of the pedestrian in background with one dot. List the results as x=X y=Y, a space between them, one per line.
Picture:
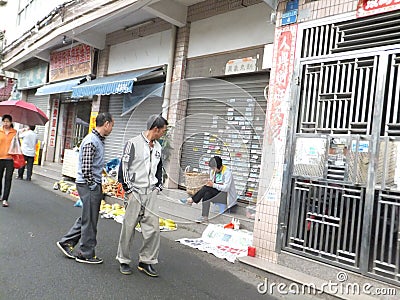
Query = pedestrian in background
x=7 y=133
x=140 y=173
x=28 y=147
x=88 y=183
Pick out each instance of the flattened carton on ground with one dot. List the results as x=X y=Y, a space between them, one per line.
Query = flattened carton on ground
x=223 y=243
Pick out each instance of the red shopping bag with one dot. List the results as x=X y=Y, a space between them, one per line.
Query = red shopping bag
x=19 y=160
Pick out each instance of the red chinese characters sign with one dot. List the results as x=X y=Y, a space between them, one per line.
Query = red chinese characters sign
x=53 y=124
x=70 y=63
x=284 y=50
x=372 y=7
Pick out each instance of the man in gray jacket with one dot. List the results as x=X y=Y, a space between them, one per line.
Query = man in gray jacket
x=88 y=183
x=140 y=173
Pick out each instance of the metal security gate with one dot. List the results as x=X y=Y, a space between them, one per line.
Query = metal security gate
x=343 y=193
x=130 y=125
x=226 y=117
x=43 y=103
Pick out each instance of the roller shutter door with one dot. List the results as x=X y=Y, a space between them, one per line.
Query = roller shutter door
x=128 y=126
x=226 y=117
x=42 y=103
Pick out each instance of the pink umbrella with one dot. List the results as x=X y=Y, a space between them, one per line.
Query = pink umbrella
x=23 y=112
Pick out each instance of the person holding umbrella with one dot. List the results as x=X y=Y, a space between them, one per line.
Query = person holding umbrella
x=7 y=133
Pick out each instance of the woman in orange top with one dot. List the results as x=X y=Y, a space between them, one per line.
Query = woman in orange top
x=7 y=133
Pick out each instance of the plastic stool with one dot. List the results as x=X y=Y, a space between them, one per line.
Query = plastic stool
x=221 y=207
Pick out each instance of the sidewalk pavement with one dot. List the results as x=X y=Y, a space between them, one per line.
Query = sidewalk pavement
x=184 y=215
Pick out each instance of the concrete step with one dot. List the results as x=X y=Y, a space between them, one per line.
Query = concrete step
x=174 y=207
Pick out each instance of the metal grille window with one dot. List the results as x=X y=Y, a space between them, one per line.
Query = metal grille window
x=386 y=250
x=356 y=34
x=338 y=96
x=385 y=236
x=328 y=221
x=392 y=114
x=344 y=185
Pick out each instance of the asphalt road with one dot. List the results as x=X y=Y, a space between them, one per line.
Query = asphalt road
x=32 y=267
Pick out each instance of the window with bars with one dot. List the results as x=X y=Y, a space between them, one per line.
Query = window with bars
x=356 y=34
x=338 y=96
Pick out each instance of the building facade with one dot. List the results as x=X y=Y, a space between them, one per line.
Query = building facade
x=332 y=129
x=303 y=108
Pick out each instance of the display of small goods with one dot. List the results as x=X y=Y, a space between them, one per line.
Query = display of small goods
x=66 y=187
x=236 y=137
x=112 y=187
x=117 y=212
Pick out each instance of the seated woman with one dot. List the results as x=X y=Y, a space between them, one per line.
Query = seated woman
x=219 y=189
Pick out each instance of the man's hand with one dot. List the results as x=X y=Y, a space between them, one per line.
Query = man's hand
x=209 y=183
x=93 y=186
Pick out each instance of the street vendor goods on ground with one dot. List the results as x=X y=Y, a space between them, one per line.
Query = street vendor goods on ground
x=222 y=242
x=117 y=212
x=66 y=187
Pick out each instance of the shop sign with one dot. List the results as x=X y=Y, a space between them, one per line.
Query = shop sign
x=70 y=63
x=242 y=65
x=372 y=7
x=53 y=124
x=33 y=77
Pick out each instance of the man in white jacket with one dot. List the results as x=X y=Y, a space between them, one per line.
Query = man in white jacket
x=140 y=173
x=28 y=147
x=221 y=182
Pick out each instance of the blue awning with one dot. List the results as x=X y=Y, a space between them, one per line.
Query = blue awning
x=140 y=93
x=115 y=84
x=59 y=87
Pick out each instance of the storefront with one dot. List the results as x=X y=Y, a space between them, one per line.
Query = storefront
x=133 y=96
x=233 y=129
x=69 y=118
x=227 y=79
x=133 y=87
x=28 y=80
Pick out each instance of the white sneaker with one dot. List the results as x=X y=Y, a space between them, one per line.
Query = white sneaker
x=202 y=220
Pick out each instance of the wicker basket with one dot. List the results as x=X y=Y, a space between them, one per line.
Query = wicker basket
x=195 y=181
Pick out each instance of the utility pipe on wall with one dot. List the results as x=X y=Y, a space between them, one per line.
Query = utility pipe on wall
x=168 y=79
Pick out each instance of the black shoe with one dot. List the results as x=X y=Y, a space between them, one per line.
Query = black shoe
x=148 y=269
x=125 y=269
x=20 y=178
x=66 y=249
x=90 y=260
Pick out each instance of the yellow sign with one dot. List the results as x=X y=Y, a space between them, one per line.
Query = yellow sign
x=37 y=151
x=93 y=116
